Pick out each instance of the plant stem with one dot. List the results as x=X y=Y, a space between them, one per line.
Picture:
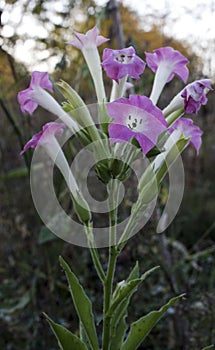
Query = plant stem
x=94 y=253
x=108 y=286
x=113 y=254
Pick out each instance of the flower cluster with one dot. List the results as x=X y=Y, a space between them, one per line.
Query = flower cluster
x=137 y=116
x=129 y=118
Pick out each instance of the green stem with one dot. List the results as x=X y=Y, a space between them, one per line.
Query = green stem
x=108 y=286
x=134 y=217
x=94 y=254
x=113 y=254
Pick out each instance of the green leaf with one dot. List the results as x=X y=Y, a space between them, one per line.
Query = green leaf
x=135 y=272
x=127 y=288
x=118 y=332
x=172 y=155
x=140 y=329
x=82 y=304
x=208 y=347
x=119 y=307
x=118 y=320
x=66 y=339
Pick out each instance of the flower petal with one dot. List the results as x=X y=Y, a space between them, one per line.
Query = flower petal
x=138 y=118
x=41 y=79
x=189 y=130
x=145 y=143
x=26 y=102
x=89 y=40
x=119 y=63
x=32 y=143
x=119 y=133
x=194 y=95
x=45 y=136
x=26 y=98
x=173 y=59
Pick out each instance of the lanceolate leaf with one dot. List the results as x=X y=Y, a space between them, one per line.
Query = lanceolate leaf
x=128 y=288
x=83 y=306
x=119 y=333
x=120 y=305
x=140 y=329
x=118 y=321
x=135 y=272
x=66 y=339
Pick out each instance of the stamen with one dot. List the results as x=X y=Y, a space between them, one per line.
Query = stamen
x=124 y=58
x=134 y=123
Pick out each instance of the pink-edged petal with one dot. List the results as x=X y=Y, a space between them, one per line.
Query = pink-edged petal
x=92 y=33
x=29 y=107
x=76 y=42
x=136 y=117
x=119 y=110
x=194 y=95
x=45 y=136
x=119 y=133
x=173 y=60
x=52 y=129
x=145 y=104
x=26 y=102
x=119 y=63
x=41 y=79
x=101 y=40
x=145 y=143
x=189 y=130
x=89 y=40
x=32 y=143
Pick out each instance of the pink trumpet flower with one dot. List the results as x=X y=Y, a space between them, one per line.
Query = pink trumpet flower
x=137 y=118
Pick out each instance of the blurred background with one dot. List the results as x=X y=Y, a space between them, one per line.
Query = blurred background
x=33 y=37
